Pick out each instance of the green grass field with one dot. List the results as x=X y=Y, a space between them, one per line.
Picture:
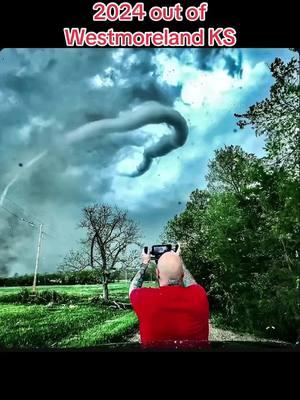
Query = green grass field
x=116 y=290
x=80 y=324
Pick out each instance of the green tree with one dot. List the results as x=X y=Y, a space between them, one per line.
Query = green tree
x=278 y=117
x=232 y=169
x=189 y=229
x=245 y=227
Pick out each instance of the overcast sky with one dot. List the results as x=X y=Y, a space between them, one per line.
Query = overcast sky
x=46 y=93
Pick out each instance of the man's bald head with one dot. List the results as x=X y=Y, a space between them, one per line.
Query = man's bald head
x=169 y=268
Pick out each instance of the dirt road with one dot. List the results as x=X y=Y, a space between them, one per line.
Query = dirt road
x=220 y=335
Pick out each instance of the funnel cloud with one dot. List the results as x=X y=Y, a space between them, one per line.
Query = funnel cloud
x=148 y=113
x=128 y=127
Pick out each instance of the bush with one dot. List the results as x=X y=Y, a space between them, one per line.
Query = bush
x=25 y=296
x=84 y=277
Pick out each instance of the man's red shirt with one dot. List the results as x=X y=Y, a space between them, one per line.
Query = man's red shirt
x=172 y=315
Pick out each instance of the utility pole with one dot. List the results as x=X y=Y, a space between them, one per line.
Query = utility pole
x=37 y=258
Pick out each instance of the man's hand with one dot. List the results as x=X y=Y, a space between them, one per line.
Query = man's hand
x=137 y=281
x=188 y=278
x=146 y=257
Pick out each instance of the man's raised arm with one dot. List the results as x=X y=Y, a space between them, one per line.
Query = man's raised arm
x=138 y=279
x=188 y=278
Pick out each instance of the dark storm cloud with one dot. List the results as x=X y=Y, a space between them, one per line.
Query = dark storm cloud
x=45 y=93
x=234 y=65
x=50 y=65
x=6 y=256
x=206 y=58
x=152 y=90
x=147 y=88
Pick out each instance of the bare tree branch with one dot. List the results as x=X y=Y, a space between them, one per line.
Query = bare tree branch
x=109 y=232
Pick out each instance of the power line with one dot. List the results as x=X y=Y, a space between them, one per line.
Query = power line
x=37 y=221
x=22 y=209
x=32 y=224
x=28 y=219
x=22 y=219
x=38 y=226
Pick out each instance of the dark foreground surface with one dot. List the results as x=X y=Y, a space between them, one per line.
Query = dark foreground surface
x=227 y=346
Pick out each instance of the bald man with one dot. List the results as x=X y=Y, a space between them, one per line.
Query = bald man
x=174 y=315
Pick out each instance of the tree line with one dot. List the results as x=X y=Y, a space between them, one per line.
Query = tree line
x=241 y=234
